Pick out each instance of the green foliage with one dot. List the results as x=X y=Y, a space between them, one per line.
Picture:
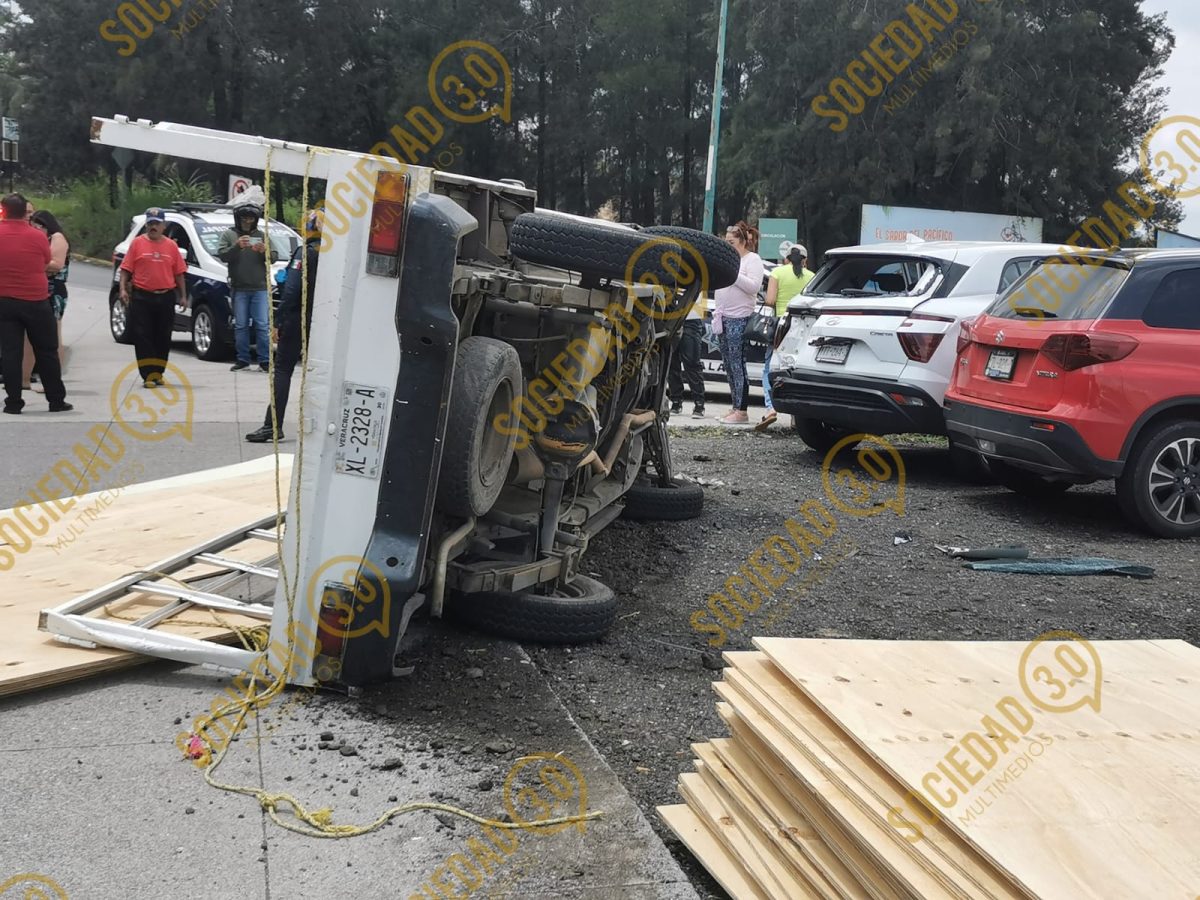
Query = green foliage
x=1036 y=115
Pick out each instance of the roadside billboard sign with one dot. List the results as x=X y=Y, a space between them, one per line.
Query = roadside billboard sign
x=895 y=223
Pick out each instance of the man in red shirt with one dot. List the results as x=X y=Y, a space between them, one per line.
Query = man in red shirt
x=25 y=308
x=155 y=268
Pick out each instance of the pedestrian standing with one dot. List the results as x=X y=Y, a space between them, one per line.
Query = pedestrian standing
x=785 y=282
x=734 y=306
x=295 y=307
x=244 y=249
x=685 y=363
x=58 y=270
x=151 y=286
x=25 y=310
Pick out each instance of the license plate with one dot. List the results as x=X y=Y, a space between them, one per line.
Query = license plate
x=1000 y=364
x=833 y=353
x=360 y=435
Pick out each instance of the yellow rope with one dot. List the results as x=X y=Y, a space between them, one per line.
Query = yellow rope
x=319 y=822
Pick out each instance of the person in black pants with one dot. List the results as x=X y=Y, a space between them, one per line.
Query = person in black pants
x=25 y=308
x=303 y=265
x=685 y=364
x=154 y=267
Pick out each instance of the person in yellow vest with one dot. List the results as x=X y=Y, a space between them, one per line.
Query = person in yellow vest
x=784 y=283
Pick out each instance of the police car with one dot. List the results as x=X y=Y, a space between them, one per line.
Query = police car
x=197 y=229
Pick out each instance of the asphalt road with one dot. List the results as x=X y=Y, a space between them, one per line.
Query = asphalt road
x=627 y=707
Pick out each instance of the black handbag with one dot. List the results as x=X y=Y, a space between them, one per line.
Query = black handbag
x=761 y=329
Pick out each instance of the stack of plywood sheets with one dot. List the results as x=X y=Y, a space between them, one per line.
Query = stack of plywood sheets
x=143 y=524
x=893 y=769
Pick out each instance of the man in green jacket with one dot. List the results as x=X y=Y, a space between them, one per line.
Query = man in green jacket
x=244 y=249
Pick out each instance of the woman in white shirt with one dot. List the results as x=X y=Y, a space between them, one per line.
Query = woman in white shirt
x=734 y=306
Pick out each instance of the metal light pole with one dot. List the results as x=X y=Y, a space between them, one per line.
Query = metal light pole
x=714 y=132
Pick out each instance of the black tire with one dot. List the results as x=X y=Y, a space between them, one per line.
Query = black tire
x=581 y=611
x=1167 y=507
x=118 y=319
x=476 y=456
x=599 y=250
x=646 y=501
x=721 y=259
x=1024 y=482
x=821 y=436
x=209 y=341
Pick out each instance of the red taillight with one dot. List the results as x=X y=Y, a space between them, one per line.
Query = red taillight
x=387 y=214
x=919 y=347
x=1074 y=351
x=966 y=335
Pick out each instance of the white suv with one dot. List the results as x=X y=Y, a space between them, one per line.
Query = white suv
x=197 y=229
x=870 y=345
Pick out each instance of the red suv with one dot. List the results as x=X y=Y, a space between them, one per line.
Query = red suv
x=1089 y=368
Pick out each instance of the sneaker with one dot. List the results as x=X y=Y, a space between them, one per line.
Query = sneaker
x=737 y=417
x=262 y=436
x=238 y=366
x=263 y=367
x=677 y=407
x=698 y=412
x=63 y=406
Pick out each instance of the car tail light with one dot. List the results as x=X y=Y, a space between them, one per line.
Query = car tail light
x=781 y=329
x=1074 y=351
x=387 y=224
x=966 y=334
x=918 y=346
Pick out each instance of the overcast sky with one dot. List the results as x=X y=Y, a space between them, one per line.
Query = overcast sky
x=1182 y=76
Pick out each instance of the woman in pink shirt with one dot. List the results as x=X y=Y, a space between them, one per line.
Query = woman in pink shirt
x=734 y=306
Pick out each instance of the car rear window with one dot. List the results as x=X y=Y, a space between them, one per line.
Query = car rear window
x=874 y=276
x=1058 y=289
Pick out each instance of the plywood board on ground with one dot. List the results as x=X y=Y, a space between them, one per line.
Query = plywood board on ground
x=1105 y=809
x=946 y=854
x=144 y=523
x=704 y=846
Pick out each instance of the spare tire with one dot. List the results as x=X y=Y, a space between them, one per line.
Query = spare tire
x=721 y=259
x=476 y=455
x=650 y=502
x=583 y=610
x=605 y=251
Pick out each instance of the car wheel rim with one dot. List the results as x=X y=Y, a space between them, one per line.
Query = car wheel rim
x=118 y=319
x=202 y=333
x=1174 y=482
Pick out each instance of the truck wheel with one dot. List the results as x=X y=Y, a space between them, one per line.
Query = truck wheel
x=647 y=501
x=1160 y=487
x=1024 y=482
x=583 y=610
x=721 y=259
x=118 y=319
x=819 y=435
x=600 y=250
x=476 y=456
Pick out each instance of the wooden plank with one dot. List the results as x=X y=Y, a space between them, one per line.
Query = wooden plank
x=783 y=819
x=750 y=815
x=880 y=883
x=1106 y=808
x=774 y=880
x=878 y=842
x=703 y=844
x=143 y=524
x=942 y=850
